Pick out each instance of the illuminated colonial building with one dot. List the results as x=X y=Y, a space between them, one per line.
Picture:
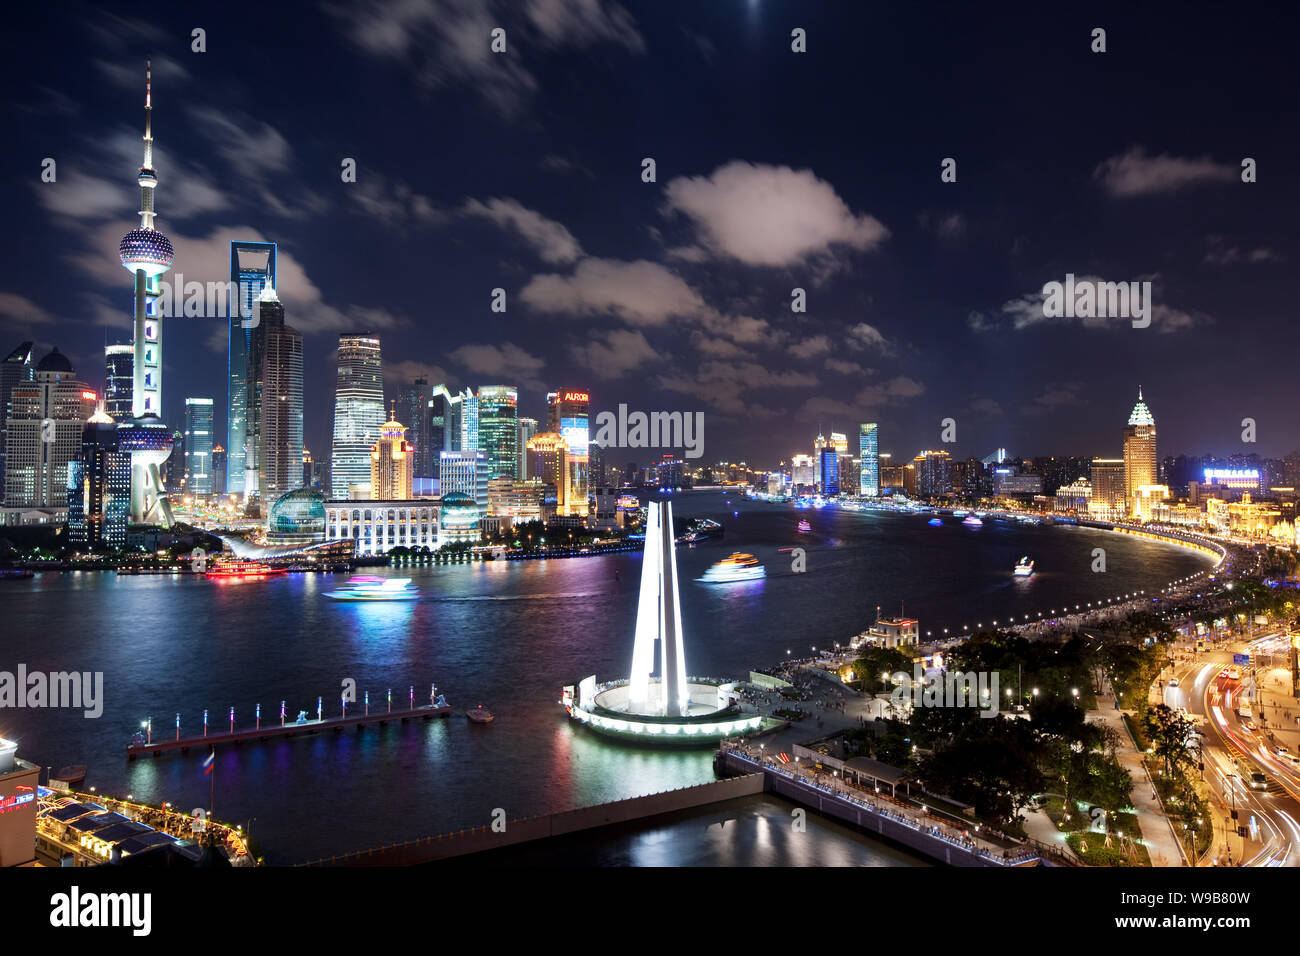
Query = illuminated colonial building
x=1109 y=499
x=391 y=464
x=548 y=460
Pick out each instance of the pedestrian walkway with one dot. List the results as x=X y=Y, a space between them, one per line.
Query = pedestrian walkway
x=1157 y=830
x=1039 y=826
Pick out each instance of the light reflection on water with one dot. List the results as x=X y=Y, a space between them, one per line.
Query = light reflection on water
x=506 y=634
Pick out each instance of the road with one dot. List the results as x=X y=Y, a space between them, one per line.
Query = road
x=1231 y=752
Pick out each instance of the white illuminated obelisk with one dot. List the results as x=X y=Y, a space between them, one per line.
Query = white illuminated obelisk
x=659 y=616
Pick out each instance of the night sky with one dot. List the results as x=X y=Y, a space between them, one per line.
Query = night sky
x=775 y=170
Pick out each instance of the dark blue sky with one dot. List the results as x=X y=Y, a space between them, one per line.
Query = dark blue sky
x=775 y=170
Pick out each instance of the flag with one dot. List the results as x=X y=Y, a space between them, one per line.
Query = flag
x=208 y=762
x=785 y=758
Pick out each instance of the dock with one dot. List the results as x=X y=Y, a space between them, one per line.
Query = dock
x=183 y=744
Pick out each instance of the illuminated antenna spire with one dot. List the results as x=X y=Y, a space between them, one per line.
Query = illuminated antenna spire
x=148 y=177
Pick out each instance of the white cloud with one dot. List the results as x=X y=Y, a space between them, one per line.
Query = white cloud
x=1026 y=312
x=811 y=346
x=1135 y=173
x=505 y=361
x=770 y=215
x=21 y=312
x=582 y=23
x=550 y=239
x=864 y=336
x=640 y=293
x=615 y=352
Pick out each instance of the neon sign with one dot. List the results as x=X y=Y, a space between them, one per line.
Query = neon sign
x=16 y=802
x=576 y=397
x=88 y=396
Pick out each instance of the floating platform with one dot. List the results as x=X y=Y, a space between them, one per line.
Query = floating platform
x=427 y=712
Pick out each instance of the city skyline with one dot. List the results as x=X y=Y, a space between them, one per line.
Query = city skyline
x=917 y=290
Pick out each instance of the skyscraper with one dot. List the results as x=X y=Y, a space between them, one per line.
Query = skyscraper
x=830 y=470
x=46 y=419
x=548 y=460
x=279 y=403
x=465 y=473
x=218 y=469
x=569 y=411
x=415 y=408
x=15 y=370
x=498 y=429
x=198 y=446
x=252 y=269
x=868 y=460
x=146 y=253
x=1141 y=463
x=358 y=411
x=391 y=463
x=99 y=487
x=118 y=379
x=527 y=429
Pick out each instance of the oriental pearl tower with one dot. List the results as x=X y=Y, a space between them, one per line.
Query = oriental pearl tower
x=146 y=253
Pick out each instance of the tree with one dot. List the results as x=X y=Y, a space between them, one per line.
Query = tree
x=873 y=661
x=1167 y=730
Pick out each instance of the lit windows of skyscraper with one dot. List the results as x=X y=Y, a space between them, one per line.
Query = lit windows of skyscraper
x=1141 y=463
x=252 y=269
x=280 y=401
x=198 y=446
x=527 y=429
x=548 y=460
x=415 y=408
x=37 y=454
x=16 y=369
x=465 y=473
x=868 y=460
x=830 y=471
x=118 y=375
x=570 y=412
x=803 y=473
x=99 y=488
x=498 y=429
x=933 y=474
x=358 y=412
x=391 y=464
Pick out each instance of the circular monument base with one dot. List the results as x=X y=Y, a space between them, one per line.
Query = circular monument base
x=710 y=715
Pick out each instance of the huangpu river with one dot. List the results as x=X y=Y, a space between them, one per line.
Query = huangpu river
x=507 y=635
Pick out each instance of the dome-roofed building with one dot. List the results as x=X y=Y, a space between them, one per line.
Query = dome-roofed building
x=459 y=520
x=296 y=518
x=56 y=363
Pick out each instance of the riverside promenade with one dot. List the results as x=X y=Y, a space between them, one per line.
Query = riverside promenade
x=910 y=827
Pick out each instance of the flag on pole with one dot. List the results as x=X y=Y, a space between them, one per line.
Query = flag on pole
x=785 y=758
x=208 y=762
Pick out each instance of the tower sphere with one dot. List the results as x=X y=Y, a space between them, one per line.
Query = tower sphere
x=146 y=249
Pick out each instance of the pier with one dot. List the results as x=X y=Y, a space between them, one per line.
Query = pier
x=295 y=729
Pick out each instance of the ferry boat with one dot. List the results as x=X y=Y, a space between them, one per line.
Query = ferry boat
x=737 y=567
x=804 y=527
x=242 y=569
x=480 y=715
x=935 y=521
x=1024 y=568
x=972 y=521
x=959 y=514
x=366 y=588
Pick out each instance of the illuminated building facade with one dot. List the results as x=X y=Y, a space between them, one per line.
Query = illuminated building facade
x=1076 y=497
x=803 y=472
x=548 y=461
x=1141 y=464
x=933 y=474
x=118 y=378
x=376 y=527
x=466 y=473
x=198 y=446
x=16 y=369
x=391 y=464
x=498 y=429
x=569 y=413
x=279 y=403
x=99 y=488
x=830 y=471
x=1109 y=495
x=358 y=411
x=868 y=460
x=252 y=270
x=527 y=429
x=44 y=432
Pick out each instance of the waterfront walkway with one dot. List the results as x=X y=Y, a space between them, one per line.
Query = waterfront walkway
x=1157 y=830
